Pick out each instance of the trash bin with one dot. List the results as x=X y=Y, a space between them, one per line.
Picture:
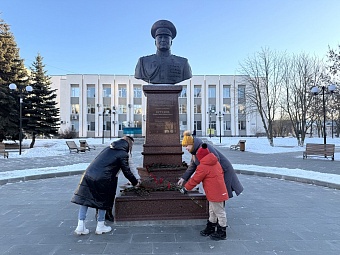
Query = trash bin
x=82 y=145
x=242 y=145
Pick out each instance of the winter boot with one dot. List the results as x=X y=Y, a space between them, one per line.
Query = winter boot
x=209 y=229
x=81 y=229
x=220 y=234
x=102 y=228
x=109 y=216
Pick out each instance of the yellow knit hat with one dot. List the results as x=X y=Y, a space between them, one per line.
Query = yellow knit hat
x=187 y=139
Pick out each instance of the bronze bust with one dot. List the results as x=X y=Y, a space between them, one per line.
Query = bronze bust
x=163 y=67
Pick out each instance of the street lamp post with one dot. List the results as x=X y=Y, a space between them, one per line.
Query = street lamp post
x=113 y=122
x=103 y=126
x=105 y=113
x=28 y=88
x=316 y=91
x=210 y=112
x=99 y=114
x=220 y=116
x=110 y=124
x=209 y=125
x=332 y=111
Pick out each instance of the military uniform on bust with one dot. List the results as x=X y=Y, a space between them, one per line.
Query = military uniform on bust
x=163 y=67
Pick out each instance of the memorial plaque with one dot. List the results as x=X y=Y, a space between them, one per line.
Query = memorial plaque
x=162 y=118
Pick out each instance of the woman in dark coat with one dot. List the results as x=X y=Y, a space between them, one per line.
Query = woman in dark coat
x=97 y=187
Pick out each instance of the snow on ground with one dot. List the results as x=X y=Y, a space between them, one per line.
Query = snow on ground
x=281 y=145
x=253 y=144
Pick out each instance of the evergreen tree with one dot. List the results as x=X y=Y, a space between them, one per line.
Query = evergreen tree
x=43 y=113
x=12 y=70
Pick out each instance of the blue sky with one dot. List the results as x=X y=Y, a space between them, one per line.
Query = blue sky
x=108 y=36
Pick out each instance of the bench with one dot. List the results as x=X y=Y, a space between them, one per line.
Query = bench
x=84 y=144
x=72 y=146
x=237 y=146
x=323 y=150
x=3 y=150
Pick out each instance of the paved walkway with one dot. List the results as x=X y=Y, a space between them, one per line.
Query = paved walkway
x=271 y=216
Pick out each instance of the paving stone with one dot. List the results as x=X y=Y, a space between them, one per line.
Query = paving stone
x=271 y=216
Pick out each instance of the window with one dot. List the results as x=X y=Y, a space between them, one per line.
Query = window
x=226 y=91
x=213 y=124
x=182 y=108
x=223 y=125
x=227 y=125
x=91 y=126
x=137 y=109
x=137 y=91
x=91 y=91
x=75 y=126
x=212 y=91
x=241 y=109
x=138 y=124
x=91 y=109
x=122 y=90
x=242 y=125
x=122 y=109
x=125 y=124
x=183 y=92
x=198 y=125
x=75 y=108
x=212 y=108
x=107 y=125
x=226 y=108
x=197 y=108
x=241 y=91
x=197 y=91
x=74 y=90
x=107 y=108
x=106 y=92
x=183 y=125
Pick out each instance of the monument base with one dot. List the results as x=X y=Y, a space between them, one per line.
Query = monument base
x=161 y=205
x=158 y=198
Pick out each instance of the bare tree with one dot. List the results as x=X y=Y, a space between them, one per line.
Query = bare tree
x=301 y=73
x=282 y=125
x=264 y=74
x=334 y=113
x=334 y=60
x=333 y=77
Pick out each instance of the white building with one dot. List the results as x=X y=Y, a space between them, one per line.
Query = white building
x=212 y=104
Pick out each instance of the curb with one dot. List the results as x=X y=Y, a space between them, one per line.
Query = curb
x=291 y=178
x=245 y=172
x=40 y=176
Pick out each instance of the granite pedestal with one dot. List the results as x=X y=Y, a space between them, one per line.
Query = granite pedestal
x=161 y=199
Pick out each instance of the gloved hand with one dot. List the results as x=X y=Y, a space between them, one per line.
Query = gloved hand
x=183 y=190
x=180 y=182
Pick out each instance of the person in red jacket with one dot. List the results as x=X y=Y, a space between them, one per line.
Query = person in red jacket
x=210 y=173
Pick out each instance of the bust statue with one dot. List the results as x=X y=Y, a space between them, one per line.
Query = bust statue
x=163 y=67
